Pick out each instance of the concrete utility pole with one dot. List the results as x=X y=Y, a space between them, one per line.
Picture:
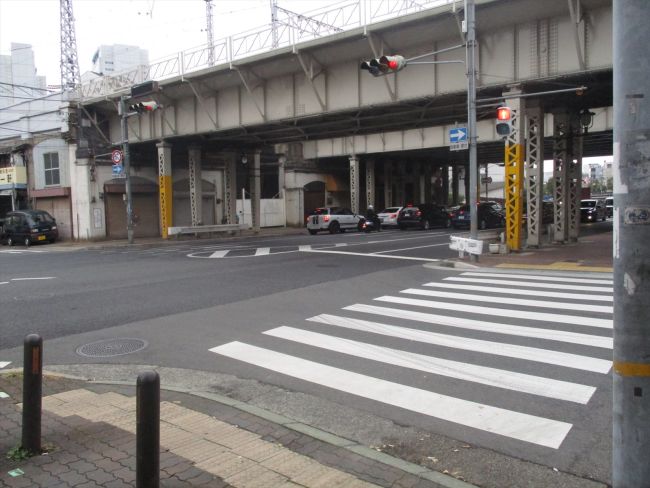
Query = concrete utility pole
x=127 y=169
x=631 y=410
x=470 y=26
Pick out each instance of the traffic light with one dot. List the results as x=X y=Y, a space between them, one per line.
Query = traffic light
x=144 y=107
x=384 y=65
x=504 y=121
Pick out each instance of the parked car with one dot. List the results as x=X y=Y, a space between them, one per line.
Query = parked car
x=29 y=226
x=423 y=216
x=388 y=216
x=609 y=206
x=489 y=215
x=332 y=219
x=593 y=210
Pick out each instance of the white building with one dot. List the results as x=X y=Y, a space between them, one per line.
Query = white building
x=109 y=60
x=18 y=78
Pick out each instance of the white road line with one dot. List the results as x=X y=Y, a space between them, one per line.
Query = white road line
x=409 y=248
x=41 y=278
x=547 y=356
x=340 y=244
x=4 y=282
x=578 y=307
x=516 y=425
x=509 y=380
x=370 y=255
x=518 y=291
x=305 y=248
x=262 y=251
x=492 y=327
x=592 y=281
x=219 y=254
x=553 y=286
x=502 y=312
x=4 y=364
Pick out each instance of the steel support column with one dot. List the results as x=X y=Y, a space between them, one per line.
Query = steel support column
x=535 y=174
x=256 y=190
x=196 y=191
x=445 y=185
x=388 y=184
x=282 y=161
x=370 y=182
x=575 y=183
x=514 y=174
x=354 y=184
x=230 y=188
x=428 y=170
x=165 y=186
x=454 y=185
x=561 y=162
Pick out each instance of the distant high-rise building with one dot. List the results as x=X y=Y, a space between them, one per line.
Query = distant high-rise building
x=109 y=60
x=18 y=78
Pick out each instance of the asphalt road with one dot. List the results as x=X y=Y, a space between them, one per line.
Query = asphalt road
x=350 y=323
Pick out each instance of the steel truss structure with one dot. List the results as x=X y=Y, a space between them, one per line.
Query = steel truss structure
x=70 y=74
x=514 y=176
x=534 y=174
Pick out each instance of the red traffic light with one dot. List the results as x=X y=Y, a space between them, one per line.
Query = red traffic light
x=503 y=113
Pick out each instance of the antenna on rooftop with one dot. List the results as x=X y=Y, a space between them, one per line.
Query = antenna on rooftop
x=70 y=75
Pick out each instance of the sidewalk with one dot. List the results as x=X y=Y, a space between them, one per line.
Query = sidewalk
x=88 y=433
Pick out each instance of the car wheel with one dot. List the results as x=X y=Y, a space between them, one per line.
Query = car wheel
x=482 y=224
x=52 y=241
x=312 y=231
x=10 y=241
x=334 y=228
x=27 y=241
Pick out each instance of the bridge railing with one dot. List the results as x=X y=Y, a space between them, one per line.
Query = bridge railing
x=289 y=30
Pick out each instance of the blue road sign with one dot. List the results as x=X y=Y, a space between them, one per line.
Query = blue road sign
x=118 y=169
x=458 y=134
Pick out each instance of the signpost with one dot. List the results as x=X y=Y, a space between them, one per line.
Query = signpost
x=116 y=158
x=458 y=139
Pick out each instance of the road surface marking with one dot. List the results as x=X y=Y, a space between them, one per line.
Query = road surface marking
x=554 y=286
x=518 y=291
x=27 y=279
x=541 y=278
x=370 y=255
x=547 y=356
x=502 y=312
x=219 y=254
x=409 y=248
x=4 y=364
x=492 y=327
x=516 y=425
x=535 y=385
x=577 y=307
x=262 y=251
x=304 y=248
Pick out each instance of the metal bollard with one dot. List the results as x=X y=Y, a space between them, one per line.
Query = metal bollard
x=32 y=393
x=147 y=464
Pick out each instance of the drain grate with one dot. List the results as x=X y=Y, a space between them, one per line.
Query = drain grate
x=111 y=347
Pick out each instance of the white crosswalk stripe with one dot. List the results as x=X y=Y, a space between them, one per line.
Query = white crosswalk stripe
x=548 y=351
x=4 y=364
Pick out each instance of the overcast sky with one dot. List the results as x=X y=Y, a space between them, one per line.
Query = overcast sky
x=162 y=27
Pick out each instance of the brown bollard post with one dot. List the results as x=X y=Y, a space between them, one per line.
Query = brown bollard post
x=32 y=393
x=147 y=463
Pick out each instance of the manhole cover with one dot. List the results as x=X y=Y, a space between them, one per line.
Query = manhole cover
x=111 y=347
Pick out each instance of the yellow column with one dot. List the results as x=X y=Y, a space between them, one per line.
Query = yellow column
x=514 y=175
x=165 y=186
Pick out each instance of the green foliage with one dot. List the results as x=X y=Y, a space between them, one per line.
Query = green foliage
x=18 y=453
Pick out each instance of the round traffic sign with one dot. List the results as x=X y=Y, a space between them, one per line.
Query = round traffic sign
x=116 y=156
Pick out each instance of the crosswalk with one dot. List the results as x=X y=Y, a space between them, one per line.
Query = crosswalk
x=4 y=364
x=554 y=345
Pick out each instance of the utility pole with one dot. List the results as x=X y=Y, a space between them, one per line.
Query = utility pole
x=631 y=408
x=127 y=168
x=470 y=27
x=274 y=22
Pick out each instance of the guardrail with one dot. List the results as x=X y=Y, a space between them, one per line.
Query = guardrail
x=286 y=32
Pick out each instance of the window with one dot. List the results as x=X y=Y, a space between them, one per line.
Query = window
x=51 y=167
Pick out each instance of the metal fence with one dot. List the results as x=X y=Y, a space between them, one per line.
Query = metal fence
x=289 y=30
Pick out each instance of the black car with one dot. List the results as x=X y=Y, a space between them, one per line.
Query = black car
x=609 y=205
x=593 y=210
x=489 y=215
x=29 y=226
x=423 y=216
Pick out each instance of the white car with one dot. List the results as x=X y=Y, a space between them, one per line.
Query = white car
x=388 y=216
x=333 y=219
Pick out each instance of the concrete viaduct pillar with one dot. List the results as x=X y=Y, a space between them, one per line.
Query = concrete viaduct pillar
x=196 y=193
x=230 y=188
x=370 y=183
x=388 y=183
x=256 y=190
x=354 y=184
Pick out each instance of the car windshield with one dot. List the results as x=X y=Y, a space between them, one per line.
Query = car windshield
x=588 y=203
x=390 y=210
x=42 y=217
x=321 y=211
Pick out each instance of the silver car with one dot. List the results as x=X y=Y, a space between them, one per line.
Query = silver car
x=333 y=220
x=388 y=216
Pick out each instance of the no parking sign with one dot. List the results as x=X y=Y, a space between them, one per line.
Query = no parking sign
x=116 y=158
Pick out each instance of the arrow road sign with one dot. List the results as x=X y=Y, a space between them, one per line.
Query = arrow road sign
x=458 y=134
